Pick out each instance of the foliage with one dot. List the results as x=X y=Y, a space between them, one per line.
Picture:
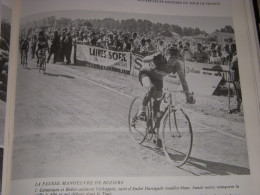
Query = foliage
x=129 y=25
x=227 y=29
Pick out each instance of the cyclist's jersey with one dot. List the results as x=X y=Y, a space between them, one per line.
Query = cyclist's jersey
x=25 y=45
x=42 y=43
x=159 y=67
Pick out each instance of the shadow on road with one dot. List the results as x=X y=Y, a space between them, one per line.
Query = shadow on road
x=157 y=150
x=202 y=167
x=59 y=75
x=197 y=166
x=31 y=68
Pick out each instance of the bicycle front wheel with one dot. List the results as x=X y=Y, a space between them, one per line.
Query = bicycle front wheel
x=177 y=137
x=138 y=128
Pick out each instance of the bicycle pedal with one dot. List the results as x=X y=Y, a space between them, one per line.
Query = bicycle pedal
x=151 y=132
x=159 y=143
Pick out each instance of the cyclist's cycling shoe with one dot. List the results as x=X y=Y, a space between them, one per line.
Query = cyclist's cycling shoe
x=142 y=116
x=133 y=122
x=190 y=99
x=152 y=131
x=159 y=143
x=234 y=111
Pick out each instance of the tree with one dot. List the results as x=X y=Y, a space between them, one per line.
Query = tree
x=227 y=29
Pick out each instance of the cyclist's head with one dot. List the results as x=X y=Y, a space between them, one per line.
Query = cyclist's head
x=173 y=52
x=41 y=33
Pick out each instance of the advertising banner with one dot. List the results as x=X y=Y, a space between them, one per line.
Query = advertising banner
x=136 y=61
x=208 y=69
x=103 y=57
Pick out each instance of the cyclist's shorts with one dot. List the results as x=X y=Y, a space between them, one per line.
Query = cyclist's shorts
x=157 y=82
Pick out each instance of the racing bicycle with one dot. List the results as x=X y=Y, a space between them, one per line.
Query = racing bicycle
x=175 y=137
x=42 y=61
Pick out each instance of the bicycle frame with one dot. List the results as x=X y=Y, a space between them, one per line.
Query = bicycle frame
x=155 y=125
x=170 y=136
x=42 y=60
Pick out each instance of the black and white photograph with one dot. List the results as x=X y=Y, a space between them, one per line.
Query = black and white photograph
x=5 y=29
x=104 y=92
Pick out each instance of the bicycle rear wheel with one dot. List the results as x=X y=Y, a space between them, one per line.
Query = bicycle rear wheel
x=177 y=137
x=39 y=65
x=137 y=128
x=44 y=65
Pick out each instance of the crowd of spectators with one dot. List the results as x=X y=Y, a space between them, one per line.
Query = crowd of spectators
x=62 y=40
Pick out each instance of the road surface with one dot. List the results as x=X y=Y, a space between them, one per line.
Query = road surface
x=67 y=125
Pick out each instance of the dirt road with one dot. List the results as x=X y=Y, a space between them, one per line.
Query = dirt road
x=67 y=125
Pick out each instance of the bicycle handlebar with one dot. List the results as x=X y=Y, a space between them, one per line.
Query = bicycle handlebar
x=175 y=91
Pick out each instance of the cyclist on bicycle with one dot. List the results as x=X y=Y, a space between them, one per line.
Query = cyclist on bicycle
x=24 y=48
x=42 y=43
x=155 y=68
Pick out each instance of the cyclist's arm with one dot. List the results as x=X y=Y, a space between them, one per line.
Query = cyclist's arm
x=161 y=73
x=182 y=78
x=149 y=58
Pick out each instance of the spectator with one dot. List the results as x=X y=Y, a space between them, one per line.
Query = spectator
x=150 y=48
x=200 y=56
x=214 y=58
x=143 y=49
x=236 y=81
x=33 y=46
x=62 y=47
x=180 y=46
x=126 y=45
x=186 y=52
x=68 y=47
x=161 y=47
x=94 y=39
x=54 y=47
x=225 y=55
x=219 y=50
x=135 y=44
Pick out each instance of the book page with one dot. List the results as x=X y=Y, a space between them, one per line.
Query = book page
x=88 y=116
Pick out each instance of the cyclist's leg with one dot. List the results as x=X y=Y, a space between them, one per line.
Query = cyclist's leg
x=149 y=90
x=157 y=94
x=37 y=55
x=26 y=54
x=22 y=56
